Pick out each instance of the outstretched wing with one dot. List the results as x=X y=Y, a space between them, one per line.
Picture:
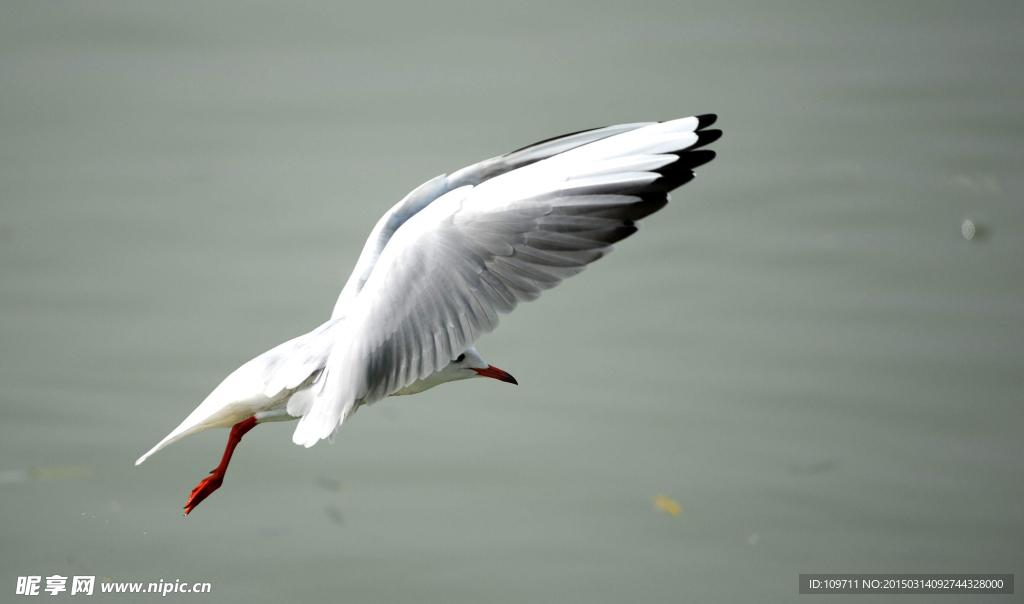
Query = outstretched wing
x=425 y=194
x=475 y=252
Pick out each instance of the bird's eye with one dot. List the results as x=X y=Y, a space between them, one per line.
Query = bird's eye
x=462 y=357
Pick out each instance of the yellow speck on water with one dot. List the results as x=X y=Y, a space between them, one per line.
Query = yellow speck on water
x=667 y=505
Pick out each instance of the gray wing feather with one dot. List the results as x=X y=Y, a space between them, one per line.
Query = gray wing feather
x=425 y=194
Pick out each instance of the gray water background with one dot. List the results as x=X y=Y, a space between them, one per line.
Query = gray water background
x=803 y=350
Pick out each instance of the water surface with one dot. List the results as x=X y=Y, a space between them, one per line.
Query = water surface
x=803 y=350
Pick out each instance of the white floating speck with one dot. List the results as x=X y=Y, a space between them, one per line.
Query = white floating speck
x=967 y=228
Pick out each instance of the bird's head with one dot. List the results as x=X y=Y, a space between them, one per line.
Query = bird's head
x=470 y=364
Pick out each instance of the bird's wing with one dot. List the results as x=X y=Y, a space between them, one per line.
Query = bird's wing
x=425 y=194
x=479 y=250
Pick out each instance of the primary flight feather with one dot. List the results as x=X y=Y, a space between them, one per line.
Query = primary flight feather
x=442 y=264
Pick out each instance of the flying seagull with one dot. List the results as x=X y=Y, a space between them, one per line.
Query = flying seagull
x=439 y=268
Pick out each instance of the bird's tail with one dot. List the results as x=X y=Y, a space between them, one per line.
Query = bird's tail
x=179 y=433
x=235 y=399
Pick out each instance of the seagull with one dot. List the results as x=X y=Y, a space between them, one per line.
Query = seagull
x=441 y=265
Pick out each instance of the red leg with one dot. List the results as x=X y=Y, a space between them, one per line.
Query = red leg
x=212 y=482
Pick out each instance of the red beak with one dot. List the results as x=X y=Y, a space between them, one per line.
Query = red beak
x=498 y=374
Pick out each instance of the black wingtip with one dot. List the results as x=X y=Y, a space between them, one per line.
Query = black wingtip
x=703 y=121
x=705 y=137
x=695 y=159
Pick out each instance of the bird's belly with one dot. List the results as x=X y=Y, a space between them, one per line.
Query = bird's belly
x=420 y=385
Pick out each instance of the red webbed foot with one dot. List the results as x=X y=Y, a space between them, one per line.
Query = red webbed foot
x=216 y=478
x=203 y=490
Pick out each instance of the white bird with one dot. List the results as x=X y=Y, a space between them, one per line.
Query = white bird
x=439 y=268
